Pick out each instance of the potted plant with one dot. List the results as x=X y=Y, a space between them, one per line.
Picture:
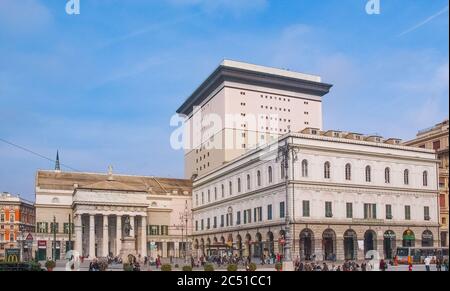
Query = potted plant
x=209 y=268
x=252 y=267
x=279 y=266
x=187 y=269
x=232 y=268
x=50 y=265
x=166 y=268
x=127 y=267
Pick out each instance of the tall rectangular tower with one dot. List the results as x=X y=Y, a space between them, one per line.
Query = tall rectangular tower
x=240 y=106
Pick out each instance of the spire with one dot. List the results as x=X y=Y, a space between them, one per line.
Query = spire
x=57 y=165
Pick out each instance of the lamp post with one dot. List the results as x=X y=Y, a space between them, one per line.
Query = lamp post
x=54 y=239
x=285 y=153
x=184 y=218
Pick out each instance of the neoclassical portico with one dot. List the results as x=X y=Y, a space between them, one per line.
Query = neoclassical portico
x=99 y=214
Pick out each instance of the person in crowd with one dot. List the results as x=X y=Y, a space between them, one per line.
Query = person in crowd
x=427 y=262
x=438 y=265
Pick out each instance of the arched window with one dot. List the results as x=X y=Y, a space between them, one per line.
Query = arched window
x=387 y=175
x=269 y=171
x=425 y=178
x=327 y=170
x=368 y=174
x=248 y=182
x=304 y=168
x=239 y=185
x=258 y=178
x=231 y=188
x=348 y=172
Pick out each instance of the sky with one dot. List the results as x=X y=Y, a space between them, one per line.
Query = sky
x=101 y=86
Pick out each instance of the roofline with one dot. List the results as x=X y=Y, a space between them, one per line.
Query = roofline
x=106 y=174
x=226 y=72
x=293 y=135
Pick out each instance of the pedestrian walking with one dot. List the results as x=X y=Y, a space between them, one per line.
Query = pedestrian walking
x=427 y=262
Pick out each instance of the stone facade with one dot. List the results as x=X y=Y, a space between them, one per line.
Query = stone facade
x=345 y=196
x=97 y=205
x=436 y=138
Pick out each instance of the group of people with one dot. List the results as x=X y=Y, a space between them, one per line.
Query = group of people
x=438 y=262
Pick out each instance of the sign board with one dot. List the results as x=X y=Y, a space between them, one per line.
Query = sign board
x=12 y=255
x=42 y=244
x=29 y=237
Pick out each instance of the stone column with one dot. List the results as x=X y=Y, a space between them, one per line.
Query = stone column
x=340 y=254
x=318 y=249
x=176 y=249
x=91 y=236
x=78 y=234
x=164 y=250
x=105 y=240
x=118 y=234
x=143 y=236
x=132 y=233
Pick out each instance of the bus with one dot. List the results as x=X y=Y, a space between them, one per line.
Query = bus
x=417 y=255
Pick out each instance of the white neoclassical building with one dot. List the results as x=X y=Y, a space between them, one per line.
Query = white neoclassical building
x=87 y=212
x=345 y=194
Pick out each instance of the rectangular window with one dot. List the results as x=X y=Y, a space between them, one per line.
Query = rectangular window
x=328 y=209
x=426 y=213
x=260 y=214
x=202 y=225
x=245 y=216
x=238 y=218
x=349 y=210
x=196 y=225
x=54 y=227
x=269 y=212
x=227 y=220
x=2 y=217
x=407 y=212
x=66 y=228
x=42 y=227
x=215 y=222
x=222 y=221
x=437 y=145
x=282 y=210
x=154 y=229
x=249 y=214
x=388 y=211
x=370 y=211
x=208 y=223
x=306 y=208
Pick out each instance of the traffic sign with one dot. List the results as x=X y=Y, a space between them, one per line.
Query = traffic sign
x=29 y=237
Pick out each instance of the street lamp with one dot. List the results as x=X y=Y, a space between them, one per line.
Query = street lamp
x=286 y=152
x=184 y=218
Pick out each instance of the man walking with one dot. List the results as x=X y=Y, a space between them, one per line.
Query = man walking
x=427 y=263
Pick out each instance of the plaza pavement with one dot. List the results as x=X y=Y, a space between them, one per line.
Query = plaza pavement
x=61 y=266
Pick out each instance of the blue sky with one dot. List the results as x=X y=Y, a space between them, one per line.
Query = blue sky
x=101 y=86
